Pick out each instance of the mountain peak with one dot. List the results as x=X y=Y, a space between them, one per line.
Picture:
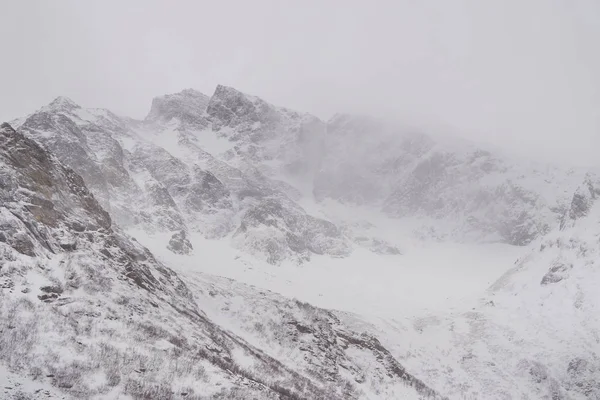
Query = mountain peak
x=222 y=92
x=188 y=106
x=192 y=92
x=225 y=89
x=230 y=107
x=63 y=103
x=5 y=126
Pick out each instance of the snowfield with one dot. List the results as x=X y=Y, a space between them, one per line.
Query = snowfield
x=428 y=277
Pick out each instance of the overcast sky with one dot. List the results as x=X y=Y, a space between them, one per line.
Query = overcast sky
x=523 y=74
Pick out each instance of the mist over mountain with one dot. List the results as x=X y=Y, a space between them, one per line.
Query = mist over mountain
x=225 y=247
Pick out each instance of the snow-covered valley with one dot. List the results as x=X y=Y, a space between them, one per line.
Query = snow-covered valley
x=224 y=247
x=427 y=278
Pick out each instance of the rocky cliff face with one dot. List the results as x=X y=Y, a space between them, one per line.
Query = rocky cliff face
x=185 y=109
x=87 y=310
x=275 y=139
x=464 y=192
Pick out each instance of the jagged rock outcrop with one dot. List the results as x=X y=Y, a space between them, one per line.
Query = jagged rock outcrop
x=179 y=243
x=264 y=133
x=32 y=183
x=186 y=109
x=86 y=140
x=246 y=114
x=582 y=201
x=281 y=230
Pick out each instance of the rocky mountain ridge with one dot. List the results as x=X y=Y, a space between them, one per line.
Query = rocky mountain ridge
x=143 y=184
x=224 y=165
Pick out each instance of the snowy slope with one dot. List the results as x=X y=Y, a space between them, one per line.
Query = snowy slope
x=535 y=334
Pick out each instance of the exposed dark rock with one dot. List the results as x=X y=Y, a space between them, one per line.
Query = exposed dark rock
x=294 y=233
x=48 y=297
x=187 y=106
x=179 y=243
x=229 y=107
x=68 y=246
x=582 y=201
x=556 y=273
x=23 y=244
x=52 y=289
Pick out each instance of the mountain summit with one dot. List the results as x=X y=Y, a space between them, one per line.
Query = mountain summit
x=62 y=103
x=187 y=106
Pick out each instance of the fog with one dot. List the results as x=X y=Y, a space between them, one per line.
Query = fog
x=522 y=75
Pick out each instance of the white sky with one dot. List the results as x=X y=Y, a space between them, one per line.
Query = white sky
x=522 y=74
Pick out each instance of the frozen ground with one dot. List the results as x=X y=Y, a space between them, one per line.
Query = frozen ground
x=13 y=386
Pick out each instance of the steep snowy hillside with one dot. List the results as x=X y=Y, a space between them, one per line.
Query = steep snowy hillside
x=536 y=332
x=86 y=310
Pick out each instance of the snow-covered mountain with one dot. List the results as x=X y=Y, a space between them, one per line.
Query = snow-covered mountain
x=235 y=186
x=91 y=312
x=235 y=166
x=157 y=174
